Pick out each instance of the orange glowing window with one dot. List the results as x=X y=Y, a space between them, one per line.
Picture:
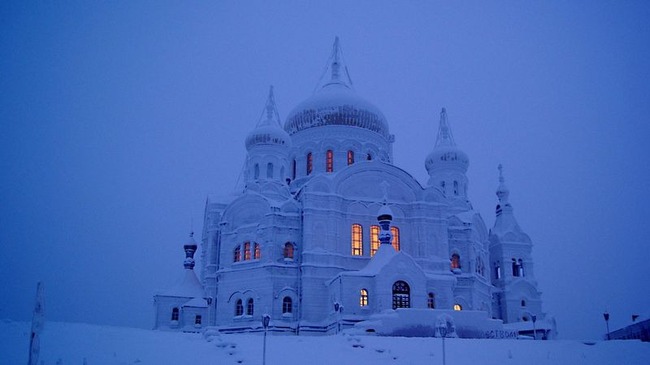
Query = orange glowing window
x=363 y=298
x=247 y=250
x=457 y=307
x=357 y=240
x=310 y=163
x=395 y=241
x=288 y=250
x=256 y=251
x=374 y=240
x=237 y=254
x=455 y=261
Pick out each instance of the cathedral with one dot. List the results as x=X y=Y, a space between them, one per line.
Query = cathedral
x=327 y=234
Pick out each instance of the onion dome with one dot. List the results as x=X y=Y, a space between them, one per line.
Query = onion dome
x=268 y=130
x=445 y=154
x=189 y=248
x=336 y=103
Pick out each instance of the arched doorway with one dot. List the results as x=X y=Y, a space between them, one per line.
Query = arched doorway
x=401 y=295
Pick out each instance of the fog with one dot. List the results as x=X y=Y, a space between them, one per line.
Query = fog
x=117 y=120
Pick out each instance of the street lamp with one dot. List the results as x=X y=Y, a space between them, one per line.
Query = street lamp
x=534 y=317
x=265 y=323
x=442 y=329
x=338 y=308
x=606 y=316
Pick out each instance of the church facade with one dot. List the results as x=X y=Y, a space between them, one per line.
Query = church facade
x=327 y=232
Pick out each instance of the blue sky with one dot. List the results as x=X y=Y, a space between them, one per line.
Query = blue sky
x=119 y=118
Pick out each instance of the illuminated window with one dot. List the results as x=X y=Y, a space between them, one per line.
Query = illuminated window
x=293 y=169
x=363 y=298
x=175 y=314
x=357 y=240
x=288 y=250
x=329 y=164
x=257 y=171
x=249 y=307
x=374 y=240
x=269 y=170
x=395 y=240
x=431 y=301
x=401 y=295
x=457 y=307
x=310 y=163
x=247 y=251
x=287 y=305
x=237 y=256
x=256 y=251
x=197 y=319
x=239 y=308
x=455 y=261
x=350 y=157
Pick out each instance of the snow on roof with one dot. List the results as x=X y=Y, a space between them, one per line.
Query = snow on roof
x=466 y=217
x=196 y=303
x=189 y=287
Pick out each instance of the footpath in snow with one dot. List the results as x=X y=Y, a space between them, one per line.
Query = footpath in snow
x=74 y=343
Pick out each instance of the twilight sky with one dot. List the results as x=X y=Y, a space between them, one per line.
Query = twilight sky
x=117 y=119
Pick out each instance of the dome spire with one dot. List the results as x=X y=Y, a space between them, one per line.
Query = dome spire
x=272 y=115
x=338 y=71
x=445 y=138
x=502 y=191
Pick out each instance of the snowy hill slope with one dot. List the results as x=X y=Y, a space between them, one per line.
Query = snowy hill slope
x=71 y=343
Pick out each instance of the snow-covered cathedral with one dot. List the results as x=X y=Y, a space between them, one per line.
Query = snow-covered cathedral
x=327 y=234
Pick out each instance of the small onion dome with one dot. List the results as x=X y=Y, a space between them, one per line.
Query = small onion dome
x=445 y=154
x=267 y=134
x=336 y=104
x=385 y=213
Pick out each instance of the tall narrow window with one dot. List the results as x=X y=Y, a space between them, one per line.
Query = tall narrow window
x=257 y=171
x=350 y=157
x=310 y=163
x=239 y=308
x=431 y=301
x=497 y=270
x=515 y=268
x=287 y=305
x=329 y=161
x=401 y=295
x=369 y=157
x=288 y=250
x=175 y=314
x=521 y=267
x=374 y=240
x=281 y=172
x=249 y=307
x=247 y=251
x=395 y=240
x=269 y=170
x=357 y=240
x=256 y=251
x=237 y=254
x=197 y=320
x=455 y=187
x=455 y=261
x=293 y=169
x=363 y=298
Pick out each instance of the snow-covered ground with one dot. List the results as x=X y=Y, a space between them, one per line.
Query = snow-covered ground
x=72 y=343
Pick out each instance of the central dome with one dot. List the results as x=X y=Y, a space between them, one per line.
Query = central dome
x=336 y=103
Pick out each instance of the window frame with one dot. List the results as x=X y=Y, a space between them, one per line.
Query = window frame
x=356 y=240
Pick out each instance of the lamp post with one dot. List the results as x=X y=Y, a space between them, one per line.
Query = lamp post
x=338 y=308
x=442 y=329
x=606 y=316
x=534 y=317
x=265 y=323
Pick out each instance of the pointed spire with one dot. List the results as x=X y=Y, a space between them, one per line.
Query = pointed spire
x=336 y=56
x=272 y=115
x=502 y=191
x=339 y=74
x=445 y=138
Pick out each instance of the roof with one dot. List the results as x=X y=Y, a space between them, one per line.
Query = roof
x=188 y=286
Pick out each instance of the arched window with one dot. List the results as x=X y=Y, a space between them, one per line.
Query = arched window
x=175 y=314
x=515 y=268
x=239 y=308
x=310 y=163
x=287 y=305
x=401 y=295
x=395 y=240
x=249 y=307
x=458 y=307
x=256 y=251
x=521 y=267
x=369 y=157
x=455 y=261
x=237 y=255
x=523 y=302
x=197 y=320
x=363 y=298
x=247 y=251
x=293 y=169
x=350 y=157
x=269 y=170
x=329 y=161
x=357 y=240
x=374 y=240
x=288 y=250
x=257 y=171
x=431 y=301
x=497 y=270
x=455 y=187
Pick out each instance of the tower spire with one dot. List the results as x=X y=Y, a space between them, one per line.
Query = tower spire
x=272 y=115
x=502 y=191
x=336 y=58
x=445 y=138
